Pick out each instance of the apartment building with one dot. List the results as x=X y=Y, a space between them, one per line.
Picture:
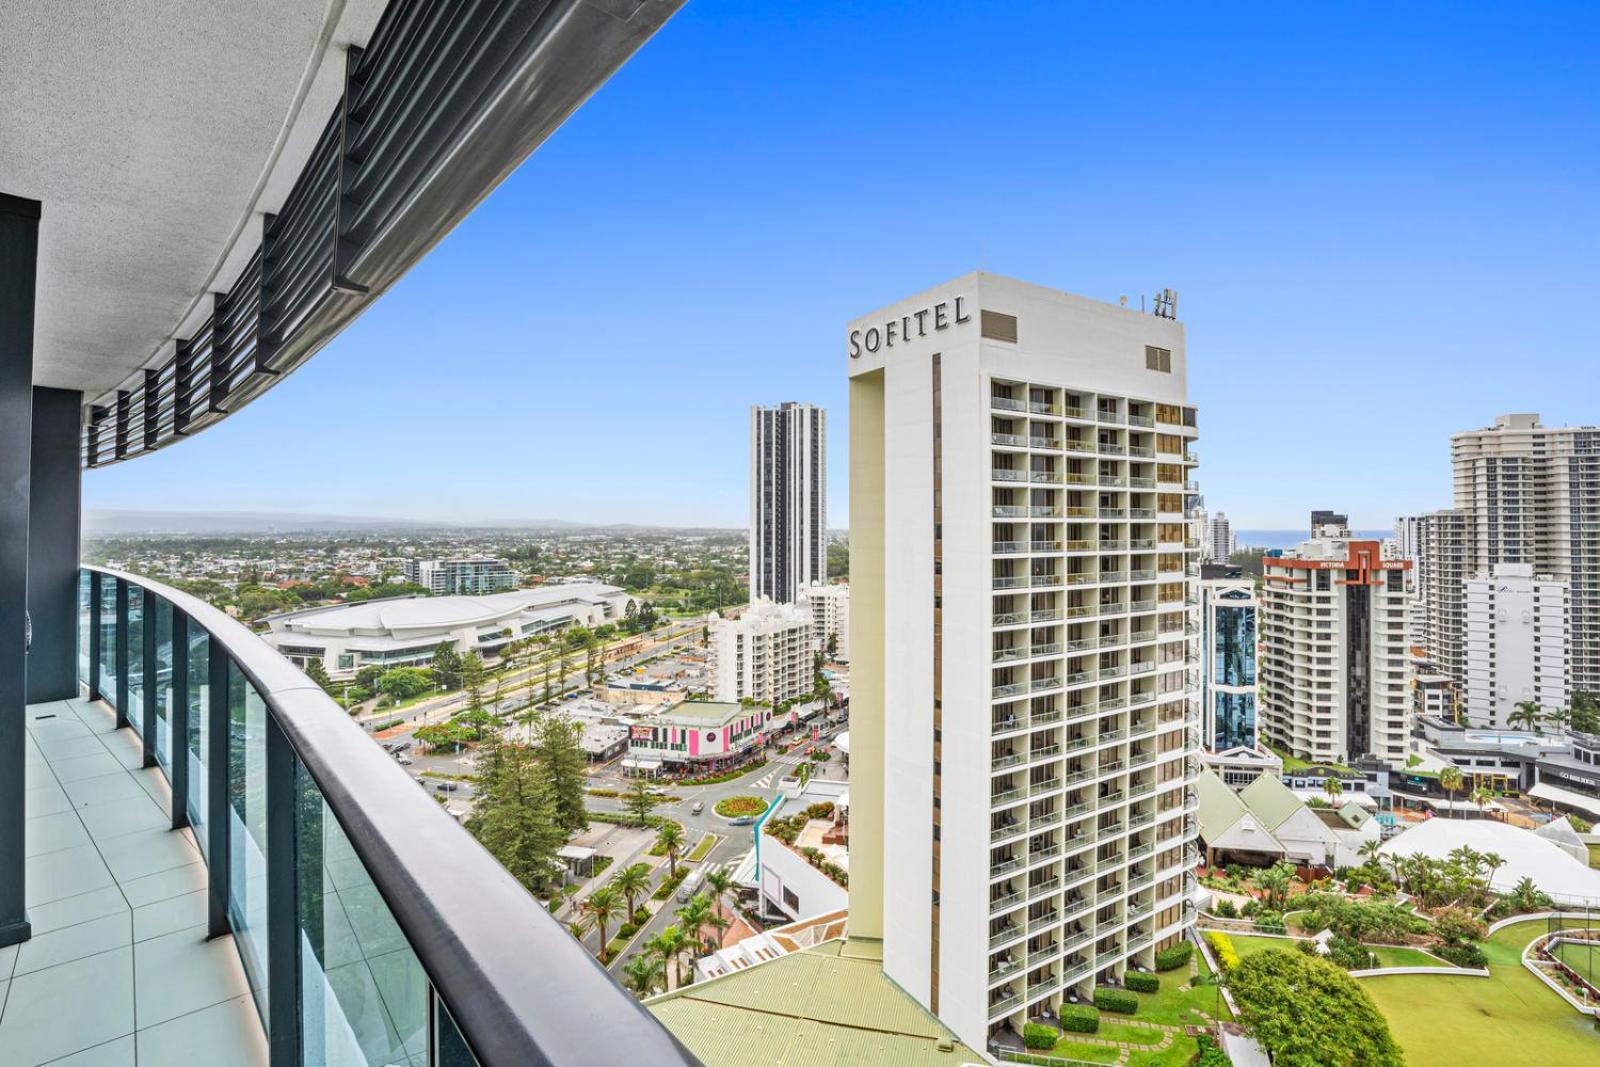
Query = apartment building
x=466 y=576
x=1228 y=638
x=788 y=500
x=1218 y=543
x=1024 y=720
x=1516 y=637
x=764 y=655
x=830 y=618
x=1333 y=650
x=1443 y=564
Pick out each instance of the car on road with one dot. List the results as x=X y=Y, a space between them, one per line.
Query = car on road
x=404 y=761
x=699 y=806
x=690 y=886
x=447 y=787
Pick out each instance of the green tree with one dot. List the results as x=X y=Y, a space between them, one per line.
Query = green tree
x=603 y=905
x=447 y=666
x=555 y=742
x=718 y=884
x=478 y=724
x=1274 y=882
x=633 y=882
x=838 y=559
x=1450 y=782
x=643 y=973
x=694 y=917
x=367 y=677
x=319 y=674
x=639 y=801
x=472 y=679
x=438 y=735
x=670 y=945
x=1332 y=786
x=402 y=683
x=515 y=814
x=1481 y=796
x=669 y=838
x=1585 y=713
x=1309 y=1013
x=1527 y=714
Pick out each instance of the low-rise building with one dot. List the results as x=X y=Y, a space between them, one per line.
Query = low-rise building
x=764 y=655
x=1571 y=780
x=407 y=631
x=790 y=884
x=1241 y=765
x=697 y=736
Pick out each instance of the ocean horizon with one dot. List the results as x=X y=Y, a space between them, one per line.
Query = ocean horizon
x=1292 y=538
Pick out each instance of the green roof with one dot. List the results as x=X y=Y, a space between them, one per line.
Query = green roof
x=1270 y=800
x=707 y=712
x=1220 y=807
x=828 y=1006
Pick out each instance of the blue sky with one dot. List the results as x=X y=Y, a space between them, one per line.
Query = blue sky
x=1379 y=219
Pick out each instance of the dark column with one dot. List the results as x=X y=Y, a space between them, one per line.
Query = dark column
x=53 y=545
x=122 y=658
x=217 y=865
x=179 y=718
x=19 y=246
x=95 y=622
x=147 y=659
x=283 y=902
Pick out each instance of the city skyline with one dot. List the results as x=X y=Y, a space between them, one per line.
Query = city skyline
x=1309 y=236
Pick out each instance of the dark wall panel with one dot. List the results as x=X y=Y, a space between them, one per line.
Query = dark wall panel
x=53 y=500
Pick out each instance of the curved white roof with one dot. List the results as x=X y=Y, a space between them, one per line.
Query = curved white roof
x=1527 y=855
x=402 y=616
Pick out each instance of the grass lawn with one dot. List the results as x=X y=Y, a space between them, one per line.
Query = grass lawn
x=1248 y=945
x=1594 y=856
x=1406 y=957
x=1583 y=959
x=707 y=843
x=1076 y=1050
x=1506 y=1019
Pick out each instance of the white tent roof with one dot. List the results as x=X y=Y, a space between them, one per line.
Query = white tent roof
x=1527 y=855
x=1554 y=794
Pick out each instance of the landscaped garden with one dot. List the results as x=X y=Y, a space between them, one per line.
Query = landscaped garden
x=1511 y=1017
x=741 y=807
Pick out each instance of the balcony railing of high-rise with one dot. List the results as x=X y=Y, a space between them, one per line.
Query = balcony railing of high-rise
x=374 y=929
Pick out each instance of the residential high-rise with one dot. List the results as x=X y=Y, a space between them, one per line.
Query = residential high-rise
x=1516 y=626
x=830 y=617
x=1227 y=661
x=788 y=500
x=1218 y=545
x=1443 y=565
x=1024 y=706
x=1333 y=650
x=468 y=575
x=764 y=655
x=1531 y=494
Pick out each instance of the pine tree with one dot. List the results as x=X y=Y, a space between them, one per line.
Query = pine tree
x=555 y=742
x=516 y=813
x=472 y=680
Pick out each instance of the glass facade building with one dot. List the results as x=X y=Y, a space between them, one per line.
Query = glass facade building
x=1229 y=676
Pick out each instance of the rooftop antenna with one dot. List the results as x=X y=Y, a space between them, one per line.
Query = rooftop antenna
x=1167 y=304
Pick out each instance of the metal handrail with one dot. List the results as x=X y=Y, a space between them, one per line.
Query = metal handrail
x=518 y=986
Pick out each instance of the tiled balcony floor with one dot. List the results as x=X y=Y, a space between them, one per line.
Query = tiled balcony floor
x=118 y=971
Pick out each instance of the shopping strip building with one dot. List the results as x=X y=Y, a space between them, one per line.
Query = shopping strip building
x=1024 y=719
x=202 y=859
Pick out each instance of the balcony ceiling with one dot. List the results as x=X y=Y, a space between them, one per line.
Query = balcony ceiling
x=152 y=133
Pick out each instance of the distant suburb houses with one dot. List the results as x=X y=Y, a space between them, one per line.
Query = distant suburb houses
x=406 y=632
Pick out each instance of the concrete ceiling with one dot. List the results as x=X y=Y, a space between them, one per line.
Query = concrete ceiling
x=154 y=134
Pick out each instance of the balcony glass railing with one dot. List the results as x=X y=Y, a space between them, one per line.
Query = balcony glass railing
x=371 y=926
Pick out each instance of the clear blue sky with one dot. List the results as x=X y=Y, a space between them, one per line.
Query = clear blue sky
x=1380 y=222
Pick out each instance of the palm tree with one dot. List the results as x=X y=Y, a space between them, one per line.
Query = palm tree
x=670 y=944
x=1333 y=787
x=641 y=974
x=632 y=882
x=1481 y=797
x=1369 y=849
x=1274 y=881
x=603 y=905
x=1494 y=861
x=694 y=916
x=1528 y=713
x=718 y=882
x=1450 y=782
x=1561 y=718
x=669 y=839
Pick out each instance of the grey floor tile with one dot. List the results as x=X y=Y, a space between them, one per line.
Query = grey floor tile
x=78 y=744
x=136 y=855
x=8 y=958
x=69 y=911
x=224 y=1035
x=45 y=798
x=67 y=873
x=52 y=833
x=118 y=1053
x=182 y=972
x=166 y=885
x=118 y=819
x=103 y=789
x=170 y=915
x=66 y=1009
x=74 y=943
x=78 y=768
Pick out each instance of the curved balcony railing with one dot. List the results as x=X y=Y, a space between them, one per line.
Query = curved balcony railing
x=373 y=928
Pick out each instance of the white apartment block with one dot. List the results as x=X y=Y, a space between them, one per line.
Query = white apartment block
x=1531 y=494
x=1334 y=657
x=467 y=576
x=1443 y=564
x=1219 y=545
x=1516 y=644
x=830 y=617
x=1024 y=694
x=788 y=500
x=764 y=655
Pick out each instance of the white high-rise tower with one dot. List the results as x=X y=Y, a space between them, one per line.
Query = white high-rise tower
x=1024 y=696
x=788 y=500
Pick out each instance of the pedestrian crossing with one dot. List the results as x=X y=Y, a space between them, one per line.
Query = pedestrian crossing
x=766 y=780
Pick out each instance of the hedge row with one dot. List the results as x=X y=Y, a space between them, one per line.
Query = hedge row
x=1038 y=1035
x=1174 y=956
x=1222 y=945
x=1142 y=983
x=1118 y=1000
x=1079 y=1019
